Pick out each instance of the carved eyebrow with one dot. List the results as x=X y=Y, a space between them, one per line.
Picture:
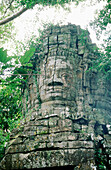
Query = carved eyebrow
x=68 y=74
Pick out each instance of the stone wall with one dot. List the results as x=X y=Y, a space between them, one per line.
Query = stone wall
x=67 y=108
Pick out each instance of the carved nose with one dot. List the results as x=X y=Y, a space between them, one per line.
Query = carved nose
x=55 y=81
x=55 y=84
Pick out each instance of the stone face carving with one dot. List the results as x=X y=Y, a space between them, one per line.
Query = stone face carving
x=57 y=85
x=58 y=80
x=67 y=109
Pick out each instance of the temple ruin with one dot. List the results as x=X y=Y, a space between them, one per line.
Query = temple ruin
x=67 y=107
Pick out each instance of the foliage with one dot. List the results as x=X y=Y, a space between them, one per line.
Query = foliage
x=100 y=161
x=11 y=92
x=27 y=4
x=5 y=30
x=9 y=105
x=101 y=158
x=103 y=63
x=10 y=111
x=30 y=4
x=4 y=59
x=103 y=18
x=4 y=138
x=101 y=25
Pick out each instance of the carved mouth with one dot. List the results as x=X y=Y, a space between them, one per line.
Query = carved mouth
x=55 y=92
x=55 y=84
x=52 y=90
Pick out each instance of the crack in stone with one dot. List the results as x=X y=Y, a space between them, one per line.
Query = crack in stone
x=49 y=149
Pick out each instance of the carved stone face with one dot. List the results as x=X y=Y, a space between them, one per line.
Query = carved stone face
x=56 y=81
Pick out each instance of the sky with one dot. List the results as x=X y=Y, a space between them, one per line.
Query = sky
x=28 y=23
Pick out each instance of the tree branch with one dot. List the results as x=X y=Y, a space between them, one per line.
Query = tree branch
x=8 y=7
x=10 y=18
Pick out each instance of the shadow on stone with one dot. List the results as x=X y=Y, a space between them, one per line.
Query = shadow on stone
x=70 y=167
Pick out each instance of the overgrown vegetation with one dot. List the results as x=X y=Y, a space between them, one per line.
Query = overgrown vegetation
x=101 y=157
x=102 y=27
x=14 y=71
x=10 y=110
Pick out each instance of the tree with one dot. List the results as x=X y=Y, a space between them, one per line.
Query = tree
x=11 y=9
x=24 y=5
x=5 y=30
x=101 y=25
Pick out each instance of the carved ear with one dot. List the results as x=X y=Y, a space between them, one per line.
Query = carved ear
x=79 y=73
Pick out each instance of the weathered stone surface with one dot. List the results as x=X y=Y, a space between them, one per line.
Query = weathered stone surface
x=67 y=107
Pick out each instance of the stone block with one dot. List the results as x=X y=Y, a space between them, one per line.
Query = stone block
x=58 y=137
x=17 y=140
x=53 y=122
x=42 y=130
x=77 y=127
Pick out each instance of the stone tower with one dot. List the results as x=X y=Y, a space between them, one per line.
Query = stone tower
x=67 y=108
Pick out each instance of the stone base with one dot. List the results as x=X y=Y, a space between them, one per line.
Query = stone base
x=79 y=158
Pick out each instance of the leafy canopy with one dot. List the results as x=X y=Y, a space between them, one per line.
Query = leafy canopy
x=102 y=25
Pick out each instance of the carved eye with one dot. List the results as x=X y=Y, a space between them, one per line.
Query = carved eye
x=67 y=78
x=64 y=76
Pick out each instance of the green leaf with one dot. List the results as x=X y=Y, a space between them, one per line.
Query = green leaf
x=3 y=56
x=7 y=66
x=28 y=54
x=16 y=61
x=28 y=64
x=21 y=71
